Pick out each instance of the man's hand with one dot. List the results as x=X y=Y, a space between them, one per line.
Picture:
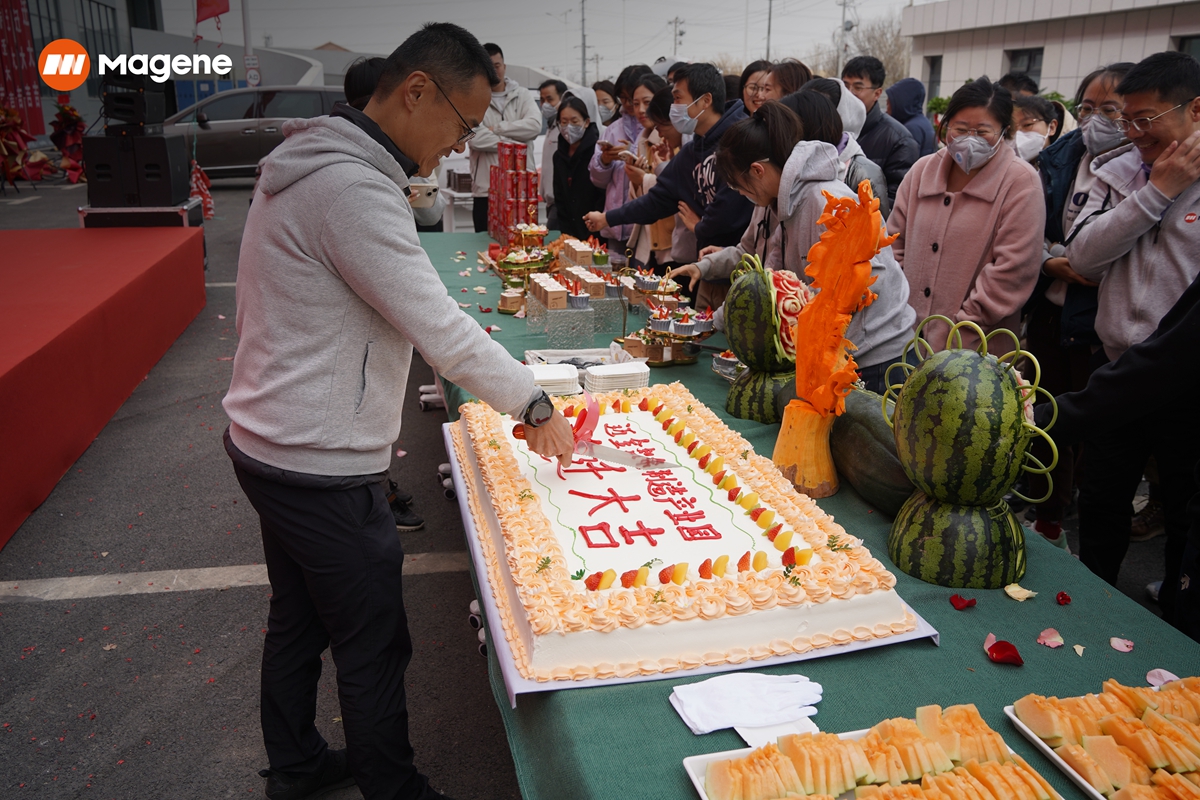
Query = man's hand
x=689 y=271
x=1178 y=167
x=1060 y=268
x=690 y=218
x=712 y=248
x=595 y=220
x=555 y=439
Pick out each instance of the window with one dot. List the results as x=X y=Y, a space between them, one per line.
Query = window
x=98 y=24
x=229 y=107
x=46 y=26
x=291 y=104
x=1027 y=61
x=933 y=83
x=1187 y=44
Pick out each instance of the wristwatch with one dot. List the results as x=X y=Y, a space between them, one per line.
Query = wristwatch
x=539 y=411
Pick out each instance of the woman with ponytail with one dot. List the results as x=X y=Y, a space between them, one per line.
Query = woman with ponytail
x=767 y=160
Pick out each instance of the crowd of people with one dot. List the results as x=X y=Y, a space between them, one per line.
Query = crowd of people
x=1067 y=226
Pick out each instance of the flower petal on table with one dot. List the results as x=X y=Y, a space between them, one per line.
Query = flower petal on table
x=1079 y=650
x=1003 y=652
x=1120 y=645
x=988 y=642
x=1157 y=677
x=1018 y=592
x=960 y=602
x=1051 y=638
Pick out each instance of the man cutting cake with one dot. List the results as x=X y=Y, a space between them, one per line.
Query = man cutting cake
x=333 y=293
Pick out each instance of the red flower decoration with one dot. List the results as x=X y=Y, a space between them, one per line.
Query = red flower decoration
x=1002 y=652
x=1063 y=599
x=960 y=602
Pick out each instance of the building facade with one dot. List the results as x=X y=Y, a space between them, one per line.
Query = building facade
x=1057 y=42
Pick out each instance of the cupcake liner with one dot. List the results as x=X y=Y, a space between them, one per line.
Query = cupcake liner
x=660 y=325
x=577 y=300
x=685 y=328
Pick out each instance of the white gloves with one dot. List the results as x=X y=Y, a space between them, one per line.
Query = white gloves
x=747 y=699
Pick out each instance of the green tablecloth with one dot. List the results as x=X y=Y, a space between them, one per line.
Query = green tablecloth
x=628 y=742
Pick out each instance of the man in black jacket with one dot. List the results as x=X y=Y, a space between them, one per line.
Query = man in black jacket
x=1150 y=391
x=884 y=139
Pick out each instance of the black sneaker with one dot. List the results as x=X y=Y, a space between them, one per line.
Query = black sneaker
x=288 y=786
x=396 y=493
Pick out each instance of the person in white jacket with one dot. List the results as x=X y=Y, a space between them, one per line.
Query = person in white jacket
x=512 y=116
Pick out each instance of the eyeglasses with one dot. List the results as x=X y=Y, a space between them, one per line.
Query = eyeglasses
x=982 y=133
x=470 y=134
x=1110 y=111
x=754 y=89
x=1142 y=124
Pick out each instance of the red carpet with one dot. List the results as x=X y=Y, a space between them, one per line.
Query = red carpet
x=84 y=315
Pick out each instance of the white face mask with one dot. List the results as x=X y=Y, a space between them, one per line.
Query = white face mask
x=605 y=113
x=972 y=152
x=1028 y=144
x=548 y=111
x=1100 y=134
x=574 y=133
x=684 y=122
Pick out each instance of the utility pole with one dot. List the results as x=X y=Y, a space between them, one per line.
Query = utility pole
x=746 y=35
x=846 y=26
x=770 y=14
x=249 y=45
x=596 y=70
x=678 y=35
x=583 y=42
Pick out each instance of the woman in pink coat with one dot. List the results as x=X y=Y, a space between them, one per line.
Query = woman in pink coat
x=970 y=220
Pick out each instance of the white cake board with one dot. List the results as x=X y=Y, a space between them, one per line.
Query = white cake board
x=516 y=684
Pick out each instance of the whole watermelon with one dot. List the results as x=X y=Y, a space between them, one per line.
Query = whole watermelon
x=963 y=546
x=754 y=395
x=864 y=451
x=960 y=427
x=752 y=322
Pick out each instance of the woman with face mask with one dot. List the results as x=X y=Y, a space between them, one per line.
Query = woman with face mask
x=574 y=192
x=1036 y=124
x=606 y=98
x=969 y=221
x=788 y=173
x=1061 y=314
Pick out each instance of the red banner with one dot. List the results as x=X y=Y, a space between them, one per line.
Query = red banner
x=19 y=85
x=207 y=9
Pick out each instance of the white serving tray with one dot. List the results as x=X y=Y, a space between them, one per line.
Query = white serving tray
x=696 y=765
x=1049 y=753
x=516 y=684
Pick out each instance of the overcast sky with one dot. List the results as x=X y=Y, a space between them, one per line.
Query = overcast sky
x=546 y=33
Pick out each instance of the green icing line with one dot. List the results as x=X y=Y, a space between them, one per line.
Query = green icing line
x=557 y=510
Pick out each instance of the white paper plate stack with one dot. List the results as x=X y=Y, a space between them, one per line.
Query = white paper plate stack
x=612 y=377
x=556 y=378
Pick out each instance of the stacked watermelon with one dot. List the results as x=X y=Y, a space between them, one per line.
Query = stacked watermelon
x=962 y=437
x=754 y=327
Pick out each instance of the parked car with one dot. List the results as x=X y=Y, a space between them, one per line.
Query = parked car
x=234 y=129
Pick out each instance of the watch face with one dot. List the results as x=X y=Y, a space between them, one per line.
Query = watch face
x=541 y=412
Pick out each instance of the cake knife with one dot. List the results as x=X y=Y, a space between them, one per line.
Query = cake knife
x=609 y=454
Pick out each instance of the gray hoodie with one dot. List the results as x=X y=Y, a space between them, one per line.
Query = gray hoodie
x=517 y=120
x=1143 y=252
x=882 y=329
x=333 y=293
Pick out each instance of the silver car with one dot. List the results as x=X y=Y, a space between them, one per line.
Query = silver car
x=234 y=129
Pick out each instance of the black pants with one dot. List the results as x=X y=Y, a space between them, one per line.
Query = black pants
x=1113 y=467
x=479 y=213
x=335 y=561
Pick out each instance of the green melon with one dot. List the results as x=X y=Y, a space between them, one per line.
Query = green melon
x=963 y=546
x=864 y=451
x=960 y=427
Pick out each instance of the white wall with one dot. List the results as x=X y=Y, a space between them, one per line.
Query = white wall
x=1077 y=36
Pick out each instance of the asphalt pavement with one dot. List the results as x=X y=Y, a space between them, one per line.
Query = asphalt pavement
x=171 y=711
x=155 y=695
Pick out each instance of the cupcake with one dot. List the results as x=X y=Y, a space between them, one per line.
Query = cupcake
x=704 y=321
x=684 y=326
x=660 y=320
x=578 y=300
x=600 y=258
x=612 y=288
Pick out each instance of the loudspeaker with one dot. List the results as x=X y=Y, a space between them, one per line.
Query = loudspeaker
x=124 y=171
x=162 y=169
x=147 y=108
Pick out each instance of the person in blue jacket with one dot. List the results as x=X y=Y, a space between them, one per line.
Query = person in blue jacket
x=906 y=103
